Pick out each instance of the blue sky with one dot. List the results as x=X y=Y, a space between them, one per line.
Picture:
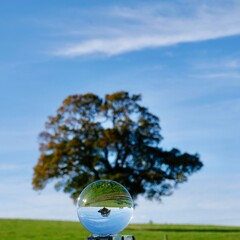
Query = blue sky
x=182 y=56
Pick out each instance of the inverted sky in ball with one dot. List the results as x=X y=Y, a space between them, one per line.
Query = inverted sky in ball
x=105 y=207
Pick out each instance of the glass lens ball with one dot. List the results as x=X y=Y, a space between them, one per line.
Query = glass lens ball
x=104 y=207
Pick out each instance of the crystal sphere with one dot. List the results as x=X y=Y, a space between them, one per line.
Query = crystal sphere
x=104 y=207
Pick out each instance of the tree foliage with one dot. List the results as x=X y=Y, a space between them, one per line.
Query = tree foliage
x=115 y=138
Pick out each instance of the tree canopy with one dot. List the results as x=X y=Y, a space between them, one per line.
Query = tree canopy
x=114 y=137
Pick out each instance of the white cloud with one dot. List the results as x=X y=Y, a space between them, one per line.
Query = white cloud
x=219 y=75
x=226 y=69
x=124 y=30
x=12 y=167
x=18 y=140
x=216 y=64
x=194 y=203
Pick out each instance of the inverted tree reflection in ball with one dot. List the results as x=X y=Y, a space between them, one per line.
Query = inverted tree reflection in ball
x=105 y=207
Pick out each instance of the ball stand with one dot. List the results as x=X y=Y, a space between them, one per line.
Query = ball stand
x=112 y=237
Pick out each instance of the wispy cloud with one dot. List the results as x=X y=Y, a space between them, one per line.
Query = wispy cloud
x=219 y=207
x=123 y=30
x=12 y=167
x=14 y=141
x=219 y=75
x=32 y=204
x=225 y=70
x=226 y=64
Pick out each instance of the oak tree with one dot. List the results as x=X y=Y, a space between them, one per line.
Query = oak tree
x=115 y=138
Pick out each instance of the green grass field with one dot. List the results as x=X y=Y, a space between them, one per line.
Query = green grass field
x=56 y=230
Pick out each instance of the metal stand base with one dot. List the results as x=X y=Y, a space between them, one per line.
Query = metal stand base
x=112 y=237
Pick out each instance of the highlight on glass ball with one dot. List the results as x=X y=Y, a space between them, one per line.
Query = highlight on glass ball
x=105 y=207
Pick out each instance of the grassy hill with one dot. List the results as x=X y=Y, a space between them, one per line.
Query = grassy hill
x=56 y=230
